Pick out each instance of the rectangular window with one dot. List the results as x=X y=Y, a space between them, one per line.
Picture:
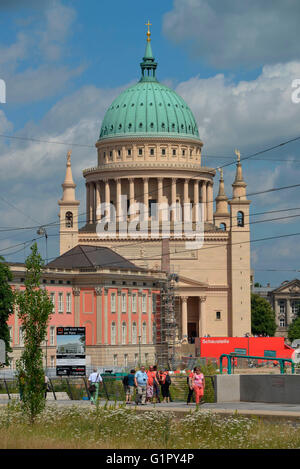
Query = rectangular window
x=113 y=303
x=129 y=152
x=282 y=307
x=163 y=152
x=21 y=336
x=144 y=303
x=218 y=315
x=134 y=302
x=140 y=151
x=52 y=297
x=282 y=322
x=183 y=152
x=126 y=360
x=69 y=303
x=154 y=299
x=60 y=303
x=52 y=335
x=124 y=303
x=152 y=151
x=174 y=152
x=115 y=360
x=136 y=359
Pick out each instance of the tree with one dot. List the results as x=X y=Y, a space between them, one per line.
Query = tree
x=294 y=329
x=262 y=317
x=35 y=309
x=6 y=304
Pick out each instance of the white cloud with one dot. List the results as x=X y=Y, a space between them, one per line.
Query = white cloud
x=231 y=33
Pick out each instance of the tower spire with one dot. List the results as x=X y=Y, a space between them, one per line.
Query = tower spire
x=68 y=184
x=239 y=185
x=221 y=199
x=148 y=66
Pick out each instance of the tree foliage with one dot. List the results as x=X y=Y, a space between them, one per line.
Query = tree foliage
x=35 y=308
x=262 y=317
x=6 y=304
x=294 y=329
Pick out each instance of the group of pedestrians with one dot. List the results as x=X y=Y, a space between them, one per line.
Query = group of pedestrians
x=149 y=385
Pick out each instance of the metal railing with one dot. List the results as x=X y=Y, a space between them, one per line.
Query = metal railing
x=111 y=389
x=230 y=361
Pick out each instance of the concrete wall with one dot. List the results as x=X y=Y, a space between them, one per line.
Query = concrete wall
x=283 y=389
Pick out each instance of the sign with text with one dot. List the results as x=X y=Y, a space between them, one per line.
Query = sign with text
x=70 y=351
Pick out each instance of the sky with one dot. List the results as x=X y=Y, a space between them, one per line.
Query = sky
x=234 y=63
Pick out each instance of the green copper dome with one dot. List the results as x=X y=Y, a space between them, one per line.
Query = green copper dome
x=149 y=108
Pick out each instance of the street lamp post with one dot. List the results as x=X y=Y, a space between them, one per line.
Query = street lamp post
x=42 y=231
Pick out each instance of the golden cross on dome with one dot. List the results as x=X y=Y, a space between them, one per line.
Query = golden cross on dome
x=148 y=32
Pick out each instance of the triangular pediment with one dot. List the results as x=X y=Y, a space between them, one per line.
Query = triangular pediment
x=289 y=287
x=189 y=282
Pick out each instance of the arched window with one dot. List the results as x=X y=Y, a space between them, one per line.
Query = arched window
x=124 y=333
x=144 y=333
x=113 y=333
x=69 y=220
x=134 y=333
x=240 y=219
x=223 y=226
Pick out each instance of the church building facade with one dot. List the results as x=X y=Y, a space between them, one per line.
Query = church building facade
x=149 y=175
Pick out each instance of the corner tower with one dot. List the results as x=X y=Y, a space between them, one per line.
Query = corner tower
x=68 y=212
x=240 y=301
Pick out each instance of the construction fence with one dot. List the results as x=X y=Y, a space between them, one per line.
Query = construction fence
x=111 y=389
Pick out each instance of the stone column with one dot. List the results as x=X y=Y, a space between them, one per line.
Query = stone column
x=99 y=314
x=202 y=323
x=159 y=196
x=184 y=318
x=105 y=317
x=107 y=198
x=129 y=296
x=92 y=202
x=196 y=200
x=87 y=187
x=173 y=198
x=119 y=336
x=146 y=198
x=131 y=194
x=203 y=199
x=186 y=206
x=118 y=200
x=76 y=294
x=210 y=202
x=98 y=201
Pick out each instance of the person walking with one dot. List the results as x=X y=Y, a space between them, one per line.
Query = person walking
x=46 y=386
x=140 y=381
x=94 y=382
x=156 y=388
x=129 y=386
x=190 y=386
x=165 y=386
x=152 y=379
x=198 y=385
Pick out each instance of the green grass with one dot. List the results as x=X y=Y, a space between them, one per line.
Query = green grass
x=117 y=428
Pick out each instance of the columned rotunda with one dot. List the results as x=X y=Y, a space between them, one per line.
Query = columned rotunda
x=149 y=150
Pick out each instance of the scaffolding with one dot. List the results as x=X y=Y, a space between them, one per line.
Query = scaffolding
x=167 y=326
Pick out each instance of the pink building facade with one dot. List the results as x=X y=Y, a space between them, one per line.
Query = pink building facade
x=117 y=306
